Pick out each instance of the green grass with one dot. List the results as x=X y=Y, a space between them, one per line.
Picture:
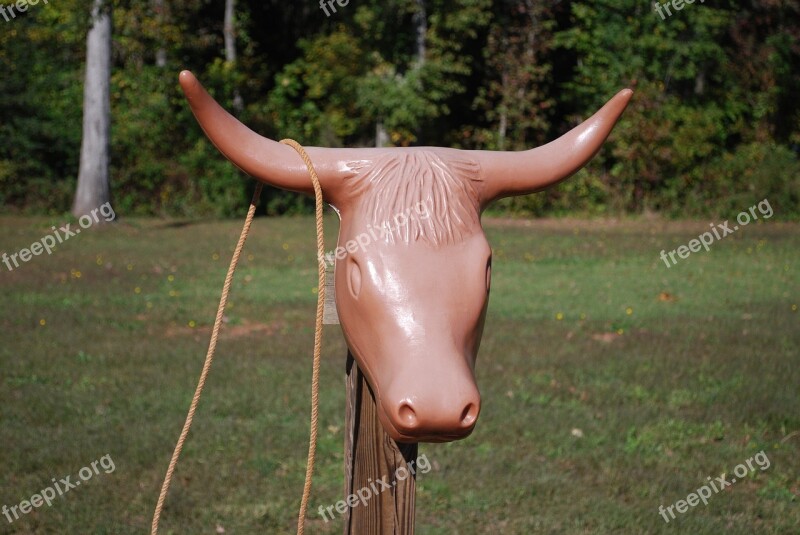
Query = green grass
x=611 y=384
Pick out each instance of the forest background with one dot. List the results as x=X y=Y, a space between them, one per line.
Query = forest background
x=714 y=125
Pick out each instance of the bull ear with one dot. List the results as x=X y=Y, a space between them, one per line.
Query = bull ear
x=519 y=173
x=268 y=161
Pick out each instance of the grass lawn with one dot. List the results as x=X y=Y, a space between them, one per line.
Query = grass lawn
x=611 y=384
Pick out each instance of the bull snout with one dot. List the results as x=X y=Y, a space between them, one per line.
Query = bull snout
x=443 y=420
x=438 y=417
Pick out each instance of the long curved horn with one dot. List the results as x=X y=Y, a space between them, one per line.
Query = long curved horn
x=269 y=161
x=519 y=173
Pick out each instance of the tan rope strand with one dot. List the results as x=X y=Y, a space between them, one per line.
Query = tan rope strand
x=312 y=441
x=209 y=359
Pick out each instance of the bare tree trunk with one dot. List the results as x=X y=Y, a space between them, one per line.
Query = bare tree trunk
x=161 y=52
x=700 y=82
x=93 y=190
x=229 y=32
x=502 y=129
x=421 y=23
x=381 y=135
x=420 y=20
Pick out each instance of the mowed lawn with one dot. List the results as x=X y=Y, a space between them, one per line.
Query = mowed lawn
x=611 y=384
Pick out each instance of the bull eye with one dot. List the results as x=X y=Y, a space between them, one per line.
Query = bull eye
x=488 y=273
x=354 y=277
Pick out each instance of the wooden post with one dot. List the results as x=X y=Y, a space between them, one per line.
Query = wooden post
x=372 y=456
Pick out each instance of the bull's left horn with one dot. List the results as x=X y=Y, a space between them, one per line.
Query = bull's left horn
x=269 y=161
x=519 y=173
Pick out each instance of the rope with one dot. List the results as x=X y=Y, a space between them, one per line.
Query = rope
x=312 y=441
x=215 y=335
x=212 y=346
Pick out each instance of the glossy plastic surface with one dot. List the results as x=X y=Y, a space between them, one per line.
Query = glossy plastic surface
x=413 y=267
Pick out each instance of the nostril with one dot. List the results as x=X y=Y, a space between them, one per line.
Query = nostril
x=469 y=415
x=408 y=417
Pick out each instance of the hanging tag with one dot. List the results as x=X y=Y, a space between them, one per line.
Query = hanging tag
x=329 y=314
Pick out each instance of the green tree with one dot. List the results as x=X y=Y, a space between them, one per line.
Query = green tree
x=683 y=114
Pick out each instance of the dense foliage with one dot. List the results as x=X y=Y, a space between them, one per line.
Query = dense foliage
x=714 y=126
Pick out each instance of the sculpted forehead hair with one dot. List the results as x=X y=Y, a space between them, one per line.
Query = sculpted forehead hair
x=399 y=182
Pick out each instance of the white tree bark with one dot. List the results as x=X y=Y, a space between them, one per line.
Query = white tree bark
x=93 y=190
x=229 y=32
x=161 y=52
x=421 y=26
x=381 y=135
x=421 y=23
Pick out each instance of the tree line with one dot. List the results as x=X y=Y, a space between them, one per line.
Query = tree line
x=714 y=124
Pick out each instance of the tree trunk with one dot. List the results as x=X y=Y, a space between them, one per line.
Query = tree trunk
x=161 y=52
x=420 y=20
x=700 y=82
x=381 y=135
x=93 y=189
x=502 y=129
x=421 y=24
x=229 y=32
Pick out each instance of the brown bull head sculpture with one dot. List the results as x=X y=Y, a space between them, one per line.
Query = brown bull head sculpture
x=413 y=286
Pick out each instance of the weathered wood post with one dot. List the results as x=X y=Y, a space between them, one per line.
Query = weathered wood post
x=370 y=456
